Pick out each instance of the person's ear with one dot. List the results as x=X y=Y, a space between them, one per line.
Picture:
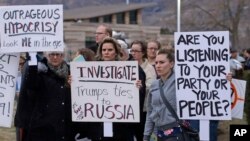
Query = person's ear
x=172 y=64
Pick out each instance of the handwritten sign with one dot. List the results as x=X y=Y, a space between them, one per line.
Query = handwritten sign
x=8 y=75
x=202 y=63
x=105 y=91
x=31 y=28
x=238 y=90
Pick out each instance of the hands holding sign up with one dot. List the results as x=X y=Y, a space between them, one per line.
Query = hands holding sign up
x=138 y=83
x=229 y=76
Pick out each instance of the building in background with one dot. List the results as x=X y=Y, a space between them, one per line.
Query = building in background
x=80 y=24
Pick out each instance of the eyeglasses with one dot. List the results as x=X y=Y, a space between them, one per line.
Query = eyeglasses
x=99 y=33
x=55 y=54
x=135 y=51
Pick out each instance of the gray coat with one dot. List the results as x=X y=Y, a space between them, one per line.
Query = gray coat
x=158 y=115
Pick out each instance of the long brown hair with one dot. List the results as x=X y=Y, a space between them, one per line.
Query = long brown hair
x=87 y=53
x=143 y=47
x=115 y=45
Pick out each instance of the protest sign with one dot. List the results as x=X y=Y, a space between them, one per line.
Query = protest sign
x=105 y=91
x=8 y=75
x=202 y=63
x=238 y=90
x=31 y=28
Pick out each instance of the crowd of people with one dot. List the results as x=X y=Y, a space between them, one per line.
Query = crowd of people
x=44 y=103
x=239 y=62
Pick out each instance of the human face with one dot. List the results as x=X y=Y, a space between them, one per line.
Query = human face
x=163 y=66
x=100 y=34
x=234 y=55
x=21 y=63
x=136 y=52
x=246 y=54
x=55 y=58
x=152 y=49
x=108 y=52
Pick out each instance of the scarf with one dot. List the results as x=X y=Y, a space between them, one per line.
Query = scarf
x=61 y=71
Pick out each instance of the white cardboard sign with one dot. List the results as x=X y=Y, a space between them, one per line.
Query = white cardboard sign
x=8 y=78
x=202 y=63
x=105 y=91
x=31 y=28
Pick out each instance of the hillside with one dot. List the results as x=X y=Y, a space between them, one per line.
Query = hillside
x=196 y=15
x=69 y=4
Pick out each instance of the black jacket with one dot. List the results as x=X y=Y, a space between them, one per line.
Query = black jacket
x=44 y=106
x=93 y=47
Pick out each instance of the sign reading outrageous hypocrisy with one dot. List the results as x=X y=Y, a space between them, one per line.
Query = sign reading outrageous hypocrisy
x=202 y=63
x=8 y=75
x=31 y=28
x=105 y=91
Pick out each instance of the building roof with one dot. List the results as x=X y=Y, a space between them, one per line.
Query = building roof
x=101 y=10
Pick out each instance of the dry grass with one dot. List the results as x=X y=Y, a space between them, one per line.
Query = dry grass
x=224 y=127
x=7 y=134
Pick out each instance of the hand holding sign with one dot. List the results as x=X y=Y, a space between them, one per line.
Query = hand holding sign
x=102 y=88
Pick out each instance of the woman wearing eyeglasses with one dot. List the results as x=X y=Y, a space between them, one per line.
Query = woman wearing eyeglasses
x=139 y=53
x=43 y=111
x=152 y=48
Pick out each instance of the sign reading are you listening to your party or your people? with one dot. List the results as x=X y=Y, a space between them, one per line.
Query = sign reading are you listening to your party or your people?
x=202 y=63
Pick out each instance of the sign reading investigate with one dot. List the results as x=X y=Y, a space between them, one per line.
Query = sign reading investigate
x=105 y=91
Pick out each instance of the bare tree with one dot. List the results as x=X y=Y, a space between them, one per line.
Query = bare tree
x=215 y=15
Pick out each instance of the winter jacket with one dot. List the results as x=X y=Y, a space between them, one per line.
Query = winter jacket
x=43 y=109
x=158 y=114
